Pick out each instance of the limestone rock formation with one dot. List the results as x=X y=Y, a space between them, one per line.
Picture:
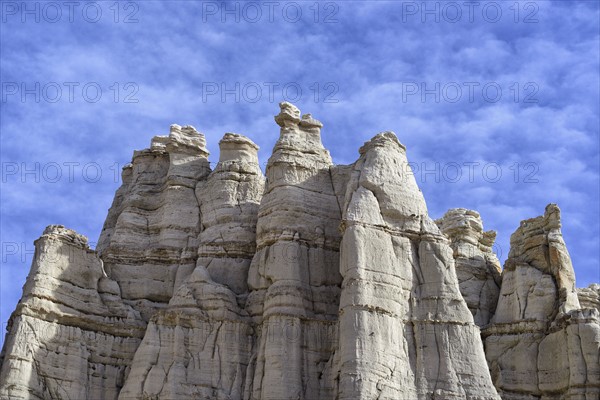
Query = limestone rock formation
x=294 y=277
x=71 y=336
x=200 y=345
x=405 y=330
x=589 y=297
x=152 y=226
x=314 y=281
x=477 y=267
x=541 y=343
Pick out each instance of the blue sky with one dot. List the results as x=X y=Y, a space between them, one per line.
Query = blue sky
x=497 y=102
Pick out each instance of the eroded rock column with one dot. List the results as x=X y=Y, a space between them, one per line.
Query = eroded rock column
x=541 y=343
x=294 y=277
x=477 y=267
x=153 y=224
x=405 y=330
x=202 y=344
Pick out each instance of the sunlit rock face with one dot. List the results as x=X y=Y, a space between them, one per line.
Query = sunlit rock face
x=71 y=336
x=589 y=297
x=405 y=330
x=311 y=281
x=152 y=227
x=541 y=343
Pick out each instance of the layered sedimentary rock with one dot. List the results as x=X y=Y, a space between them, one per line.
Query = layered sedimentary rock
x=294 y=277
x=152 y=226
x=200 y=345
x=314 y=282
x=71 y=336
x=589 y=297
x=541 y=343
x=477 y=266
x=405 y=330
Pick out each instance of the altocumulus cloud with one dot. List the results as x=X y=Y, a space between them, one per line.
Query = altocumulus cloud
x=499 y=111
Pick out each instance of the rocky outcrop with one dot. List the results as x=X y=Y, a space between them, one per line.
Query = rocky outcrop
x=314 y=282
x=71 y=336
x=294 y=276
x=589 y=297
x=405 y=330
x=541 y=343
x=200 y=345
x=152 y=226
x=477 y=267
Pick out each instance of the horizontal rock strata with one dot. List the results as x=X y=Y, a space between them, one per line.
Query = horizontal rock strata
x=313 y=281
x=541 y=343
x=71 y=336
x=477 y=267
x=405 y=330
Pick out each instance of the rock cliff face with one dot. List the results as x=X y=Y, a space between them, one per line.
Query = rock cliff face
x=71 y=336
x=477 y=267
x=405 y=330
x=541 y=343
x=589 y=297
x=316 y=281
x=152 y=227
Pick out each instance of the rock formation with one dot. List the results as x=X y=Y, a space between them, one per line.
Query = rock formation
x=589 y=297
x=71 y=336
x=541 y=343
x=477 y=267
x=405 y=330
x=152 y=227
x=316 y=281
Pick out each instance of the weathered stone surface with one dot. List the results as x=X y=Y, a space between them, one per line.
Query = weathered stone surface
x=294 y=276
x=152 y=226
x=405 y=330
x=200 y=345
x=71 y=336
x=589 y=297
x=316 y=282
x=477 y=267
x=540 y=343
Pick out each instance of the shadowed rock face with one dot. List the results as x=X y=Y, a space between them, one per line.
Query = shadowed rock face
x=316 y=281
x=477 y=267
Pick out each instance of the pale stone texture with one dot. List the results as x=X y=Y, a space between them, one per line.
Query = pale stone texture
x=294 y=276
x=540 y=343
x=477 y=267
x=71 y=336
x=154 y=221
x=589 y=297
x=315 y=282
x=200 y=345
x=405 y=330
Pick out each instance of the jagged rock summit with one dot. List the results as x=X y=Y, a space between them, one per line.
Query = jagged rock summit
x=314 y=281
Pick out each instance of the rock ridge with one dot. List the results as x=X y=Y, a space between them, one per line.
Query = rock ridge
x=312 y=281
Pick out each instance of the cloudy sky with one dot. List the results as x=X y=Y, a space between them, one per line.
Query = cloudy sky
x=497 y=102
